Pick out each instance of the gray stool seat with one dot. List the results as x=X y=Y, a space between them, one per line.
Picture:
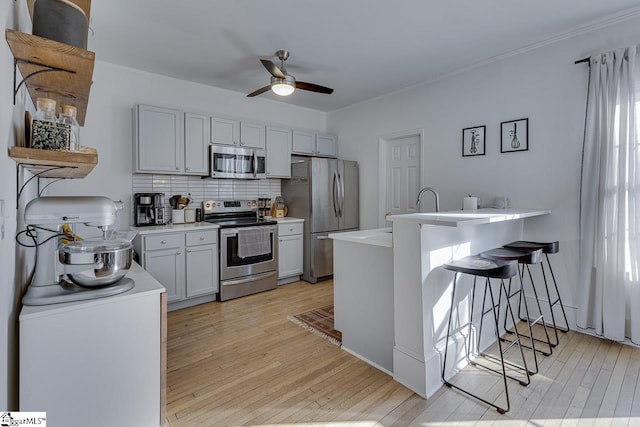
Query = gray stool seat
x=547 y=247
x=478 y=266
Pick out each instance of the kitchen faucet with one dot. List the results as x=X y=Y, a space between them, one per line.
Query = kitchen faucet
x=435 y=193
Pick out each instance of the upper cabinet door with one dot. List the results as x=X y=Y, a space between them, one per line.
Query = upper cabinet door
x=304 y=142
x=278 y=152
x=196 y=144
x=225 y=131
x=326 y=145
x=252 y=135
x=159 y=139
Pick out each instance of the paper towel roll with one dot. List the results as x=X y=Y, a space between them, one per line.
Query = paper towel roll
x=470 y=203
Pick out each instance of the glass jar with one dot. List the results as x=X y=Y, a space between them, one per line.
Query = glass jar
x=68 y=118
x=46 y=132
x=45 y=110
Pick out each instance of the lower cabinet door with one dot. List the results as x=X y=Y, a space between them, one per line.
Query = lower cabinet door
x=167 y=267
x=289 y=256
x=202 y=270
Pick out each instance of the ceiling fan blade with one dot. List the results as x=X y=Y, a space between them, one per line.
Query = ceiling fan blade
x=272 y=68
x=313 y=87
x=259 y=91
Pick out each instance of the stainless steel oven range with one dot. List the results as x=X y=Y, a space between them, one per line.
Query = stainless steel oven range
x=248 y=247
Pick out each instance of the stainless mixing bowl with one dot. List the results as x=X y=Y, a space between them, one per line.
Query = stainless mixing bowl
x=115 y=257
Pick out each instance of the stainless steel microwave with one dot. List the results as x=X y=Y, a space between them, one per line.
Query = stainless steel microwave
x=235 y=162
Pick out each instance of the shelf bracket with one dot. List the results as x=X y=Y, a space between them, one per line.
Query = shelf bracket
x=20 y=189
x=46 y=69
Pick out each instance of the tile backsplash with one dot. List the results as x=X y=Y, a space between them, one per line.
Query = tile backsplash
x=204 y=189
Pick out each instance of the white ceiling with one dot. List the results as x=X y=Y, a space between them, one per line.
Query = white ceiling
x=361 y=48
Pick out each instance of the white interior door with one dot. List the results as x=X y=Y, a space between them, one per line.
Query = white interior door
x=402 y=173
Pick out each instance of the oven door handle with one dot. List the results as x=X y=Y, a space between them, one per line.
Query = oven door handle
x=227 y=232
x=253 y=278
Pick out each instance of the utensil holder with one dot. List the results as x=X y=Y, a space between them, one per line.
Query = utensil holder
x=177 y=216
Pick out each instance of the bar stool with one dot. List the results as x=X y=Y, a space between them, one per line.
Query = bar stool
x=547 y=248
x=524 y=259
x=487 y=268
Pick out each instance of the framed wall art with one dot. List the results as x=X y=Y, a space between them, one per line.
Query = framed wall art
x=514 y=135
x=473 y=141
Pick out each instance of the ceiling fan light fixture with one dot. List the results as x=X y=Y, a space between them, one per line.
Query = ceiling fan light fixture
x=283 y=87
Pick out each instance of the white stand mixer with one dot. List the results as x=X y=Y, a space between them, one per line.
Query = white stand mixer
x=48 y=215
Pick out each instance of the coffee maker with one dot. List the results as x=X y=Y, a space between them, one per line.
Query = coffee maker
x=148 y=209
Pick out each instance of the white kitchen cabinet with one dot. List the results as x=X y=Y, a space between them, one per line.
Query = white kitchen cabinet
x=202 y=272
x=326 y=145
x=186 y=263
x=278 y=142
x=314 y=144
x=99 y=362
x=304 y=142
x=196 y=144
x=252 y=135
x=170 y=141
x=239 y=133
x=290 y=248
x=167 y=267
x=159 y=139
x=225 y=131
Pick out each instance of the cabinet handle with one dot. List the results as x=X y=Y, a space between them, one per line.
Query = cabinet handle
x=291 y=229
x=188 y=251
x=187 y=169
x=179 y=253
x=201 y=237
x=177 y=168
x=163 y=242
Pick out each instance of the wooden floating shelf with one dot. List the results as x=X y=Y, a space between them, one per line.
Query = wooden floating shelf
x=72 y=165
x=70 y=87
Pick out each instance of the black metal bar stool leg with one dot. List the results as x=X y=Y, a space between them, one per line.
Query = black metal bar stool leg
x=488 y=269
x=524 y=257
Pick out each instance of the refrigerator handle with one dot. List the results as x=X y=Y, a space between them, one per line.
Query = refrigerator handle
x=336 y=194
x=341 y=194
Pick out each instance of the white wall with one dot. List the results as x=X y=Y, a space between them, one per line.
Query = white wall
x=543 y=85
x=15 y=262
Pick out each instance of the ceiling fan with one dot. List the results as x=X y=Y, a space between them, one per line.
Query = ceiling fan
x=283 y=83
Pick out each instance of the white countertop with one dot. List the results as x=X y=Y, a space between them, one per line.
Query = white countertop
x=173 y=227
x=288 y=219
x=461 y=218
x=375 y=237
x=144 y=284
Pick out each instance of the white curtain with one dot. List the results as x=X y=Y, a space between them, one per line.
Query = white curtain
x=609 y=286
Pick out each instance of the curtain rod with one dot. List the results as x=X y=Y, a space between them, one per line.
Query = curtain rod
x=580 y=61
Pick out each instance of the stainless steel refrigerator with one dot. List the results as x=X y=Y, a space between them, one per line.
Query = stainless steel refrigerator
x=325 y=193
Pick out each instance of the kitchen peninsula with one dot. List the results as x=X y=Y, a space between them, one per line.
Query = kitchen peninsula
x=418 y=289
x=422 y=290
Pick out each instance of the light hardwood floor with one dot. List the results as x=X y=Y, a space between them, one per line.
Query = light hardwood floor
x=242 y=362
